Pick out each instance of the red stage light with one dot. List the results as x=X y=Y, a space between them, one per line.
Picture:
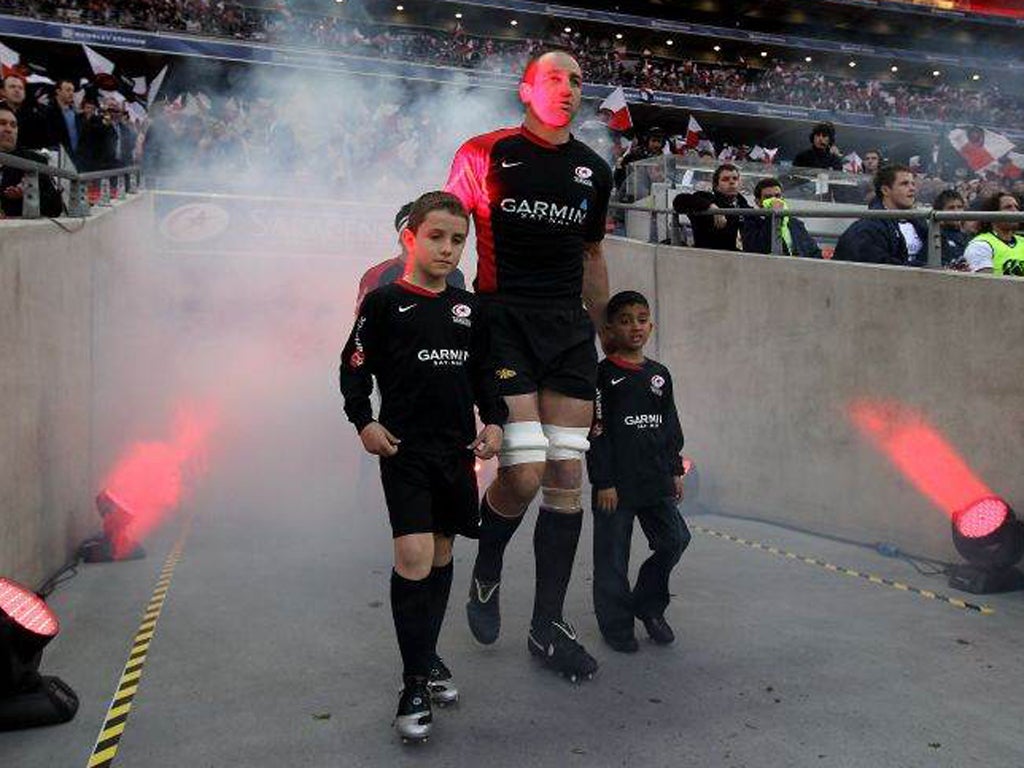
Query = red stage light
x=982 y=518
x=27 y=610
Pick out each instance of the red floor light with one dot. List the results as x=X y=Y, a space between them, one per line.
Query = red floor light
x=28 y=699
x=988 y=535
x=119 y=540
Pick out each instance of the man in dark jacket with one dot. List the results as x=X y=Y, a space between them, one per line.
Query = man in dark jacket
x=63 y=123
x=12 y=193
x=888 y=241
x=715 y=232
x=823 y=152
x=756 y=230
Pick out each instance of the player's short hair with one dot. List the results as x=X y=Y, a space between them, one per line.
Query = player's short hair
x=624 y=299
x=763 y=184
x=531 y=65
x=434 y=201
x=886 y=177
x=402 y=217
x=720 y=170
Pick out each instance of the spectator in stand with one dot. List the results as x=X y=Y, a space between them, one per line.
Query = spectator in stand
x=823 y=152
x=31 y=134
x=888 y=241
x=12 y=191
x=63 y=123
x=954 y=238
x=120 y=149
x=872 y=161
x=652 y=145
x=998 y=249
x=756 y=230
x=716 y=232
x=94 y=141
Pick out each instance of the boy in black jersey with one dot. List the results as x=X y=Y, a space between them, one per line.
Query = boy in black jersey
x=636 y=471
x=424 y=343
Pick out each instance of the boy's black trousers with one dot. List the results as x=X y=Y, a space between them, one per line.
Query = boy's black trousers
x=615 y=604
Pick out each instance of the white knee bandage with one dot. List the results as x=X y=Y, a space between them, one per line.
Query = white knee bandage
x=523 y=443
x=566 y=443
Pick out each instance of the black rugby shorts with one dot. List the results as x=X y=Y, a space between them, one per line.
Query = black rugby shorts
x=431 y=493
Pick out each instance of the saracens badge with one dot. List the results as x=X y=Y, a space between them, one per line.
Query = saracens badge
x=657 y=382
x=461 y=313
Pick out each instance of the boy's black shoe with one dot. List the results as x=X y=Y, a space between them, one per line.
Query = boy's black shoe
x=482 y=610
x=441 y=685
x=555 y=643
x=414 y=720
x=658 y=629
x=626 y=644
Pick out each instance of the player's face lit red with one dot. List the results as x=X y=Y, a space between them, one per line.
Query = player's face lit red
x=630 y=328
x=436 y=247
x=554 y=90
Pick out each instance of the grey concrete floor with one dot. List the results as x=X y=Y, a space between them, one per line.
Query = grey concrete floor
x=275 y=647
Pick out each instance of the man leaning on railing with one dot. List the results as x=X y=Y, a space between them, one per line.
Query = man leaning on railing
x=12 y=190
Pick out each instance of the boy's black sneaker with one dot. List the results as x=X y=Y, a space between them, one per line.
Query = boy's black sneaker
x=414 y=720
x=555 y=643
x=441 y=685
x=658 y=629
x=626 y=644
x=483 y=611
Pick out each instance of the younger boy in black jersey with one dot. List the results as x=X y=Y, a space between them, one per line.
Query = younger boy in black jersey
x=636 y=471
x=425 y=344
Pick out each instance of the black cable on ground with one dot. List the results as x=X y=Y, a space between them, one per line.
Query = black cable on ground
x=934 y=567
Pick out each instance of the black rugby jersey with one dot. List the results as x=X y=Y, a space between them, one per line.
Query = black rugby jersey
x=636 y=440
x=428 y=353
x=535 y=205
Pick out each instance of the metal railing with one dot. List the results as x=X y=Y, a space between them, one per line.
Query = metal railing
x=933 y=219
x=125 y=180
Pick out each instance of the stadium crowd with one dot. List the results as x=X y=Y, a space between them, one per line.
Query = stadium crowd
x=605 y=60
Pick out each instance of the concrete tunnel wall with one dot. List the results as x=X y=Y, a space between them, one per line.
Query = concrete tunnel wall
x=47 y=314
x=767 y=354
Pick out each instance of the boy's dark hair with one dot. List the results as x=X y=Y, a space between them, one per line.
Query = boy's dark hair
x=886 y=177
x=624 y=299
x=434 y=201
x=945 y=197
x=763 y=184
x=719 y=171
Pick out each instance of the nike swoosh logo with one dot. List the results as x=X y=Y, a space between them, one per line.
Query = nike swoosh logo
x=507 y=164
x=618 y=381
x=484 y=592
x=406 y=309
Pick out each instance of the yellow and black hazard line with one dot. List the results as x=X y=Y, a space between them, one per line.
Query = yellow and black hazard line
x=870 y=577
x=120 y=708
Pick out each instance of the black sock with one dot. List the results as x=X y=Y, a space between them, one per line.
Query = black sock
x=554 y=548
x=495 y=533
x=440 y=588
x=410 y=607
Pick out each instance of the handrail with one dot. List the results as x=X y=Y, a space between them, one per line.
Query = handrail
x=127 y=178
x=932 y=217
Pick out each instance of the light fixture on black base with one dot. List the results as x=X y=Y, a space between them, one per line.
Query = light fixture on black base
x=117 y=542
x=28 y=699
x=988 y=535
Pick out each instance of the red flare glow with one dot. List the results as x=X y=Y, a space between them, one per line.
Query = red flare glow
x=921 y=454
x=150 y=478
